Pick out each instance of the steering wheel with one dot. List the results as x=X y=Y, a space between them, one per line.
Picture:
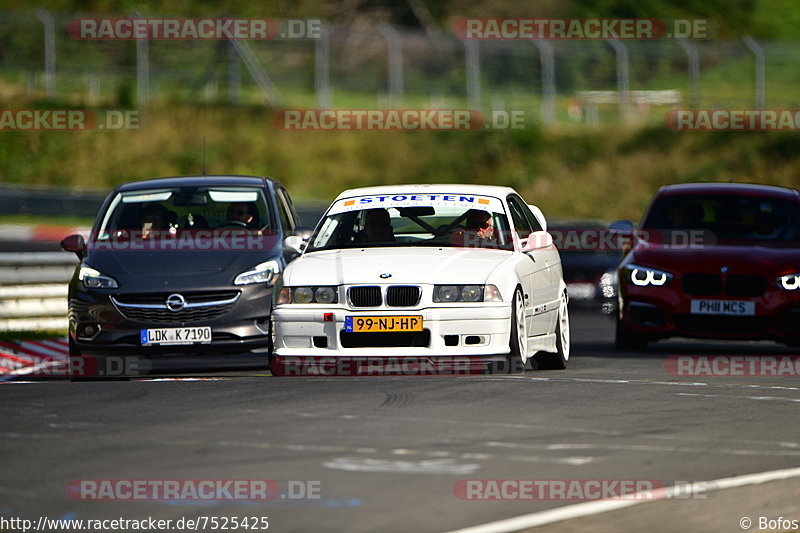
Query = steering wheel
x=233 y=224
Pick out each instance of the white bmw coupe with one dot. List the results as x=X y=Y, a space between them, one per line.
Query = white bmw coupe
x=426 y=270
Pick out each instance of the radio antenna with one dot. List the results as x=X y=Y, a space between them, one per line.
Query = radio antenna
x=204 y=155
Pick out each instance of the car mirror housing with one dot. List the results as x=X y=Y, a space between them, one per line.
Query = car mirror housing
x=538 y=240
x=74 y=243
x=294 y=243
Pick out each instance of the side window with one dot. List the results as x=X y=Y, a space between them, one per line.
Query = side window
x=534 y=223
x=522 y=224
x=285 y=211
x=290 y=206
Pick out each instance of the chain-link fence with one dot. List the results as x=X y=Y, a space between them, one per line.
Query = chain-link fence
x=383 y=66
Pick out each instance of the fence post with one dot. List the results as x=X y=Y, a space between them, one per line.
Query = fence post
x=394 y=43
x=473 y=63
x=49 y=51
x=548 y=79
x=694 y=71
x=322 y=68
x=623 y=80
x=142 y=69
x=761 y=68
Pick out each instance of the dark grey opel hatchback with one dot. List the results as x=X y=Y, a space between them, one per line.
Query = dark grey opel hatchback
x=182 y=265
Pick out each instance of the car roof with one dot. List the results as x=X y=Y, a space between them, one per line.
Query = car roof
x=744 y=189
x=441 y=188
x=195 y=181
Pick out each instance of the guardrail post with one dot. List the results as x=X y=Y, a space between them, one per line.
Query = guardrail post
x=761 y=70
x=694 y=71
x=49 y=51
x=322 y=68
x=142 y=69
x=623 y=79
x=394 y=43
x=547 y=60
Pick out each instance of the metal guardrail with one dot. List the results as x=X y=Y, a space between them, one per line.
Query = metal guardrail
x=33 y=290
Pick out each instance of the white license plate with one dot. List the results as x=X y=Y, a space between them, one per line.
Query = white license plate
x=723 y=307
x=168 y=336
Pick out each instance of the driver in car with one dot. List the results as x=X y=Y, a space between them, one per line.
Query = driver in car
x=377 y=227
x=241 y=214
x=478 y=231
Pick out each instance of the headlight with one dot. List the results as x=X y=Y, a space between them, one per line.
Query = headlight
x=644 y=276
x=92 y=279
x=325 y=295
x=445 y=293
x=309 y=295
x=303 y=295
x=471 y=293
x=266 y=272
x=462 y=293
x=790 y=282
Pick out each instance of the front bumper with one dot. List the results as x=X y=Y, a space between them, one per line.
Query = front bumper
x=661 y=312
x=242 y=328
x=301 y=330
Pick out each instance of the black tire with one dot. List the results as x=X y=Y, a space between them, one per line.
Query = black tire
x=627 y=340
x=559 y=359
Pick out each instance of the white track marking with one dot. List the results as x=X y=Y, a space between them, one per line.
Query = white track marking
x=640 y=448
x=569 y=512
x=738 y=397
x=426 y=466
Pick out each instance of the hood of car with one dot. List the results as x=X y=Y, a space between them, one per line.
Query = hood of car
x=394 y=265
x=750 y=259
x=150 y=270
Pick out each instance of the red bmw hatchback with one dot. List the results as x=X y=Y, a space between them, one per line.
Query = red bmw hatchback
x=714 y=261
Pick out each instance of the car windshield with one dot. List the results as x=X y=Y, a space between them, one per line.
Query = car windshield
x=728 y=217
x=162 y=212
x=414 y=220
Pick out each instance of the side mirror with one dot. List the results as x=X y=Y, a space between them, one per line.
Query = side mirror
x=621 y=225
x=294 y=243
x=537 y=213
x=74 y=243
x=538 y=240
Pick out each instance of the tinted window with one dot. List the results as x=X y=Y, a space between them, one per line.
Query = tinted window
x=728 y=216
x=522 y=224
x=415 y=226
x=146 y=212
x=285 y=211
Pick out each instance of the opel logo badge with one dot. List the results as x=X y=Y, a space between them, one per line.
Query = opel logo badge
x=175 y=302
x=385 y=275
